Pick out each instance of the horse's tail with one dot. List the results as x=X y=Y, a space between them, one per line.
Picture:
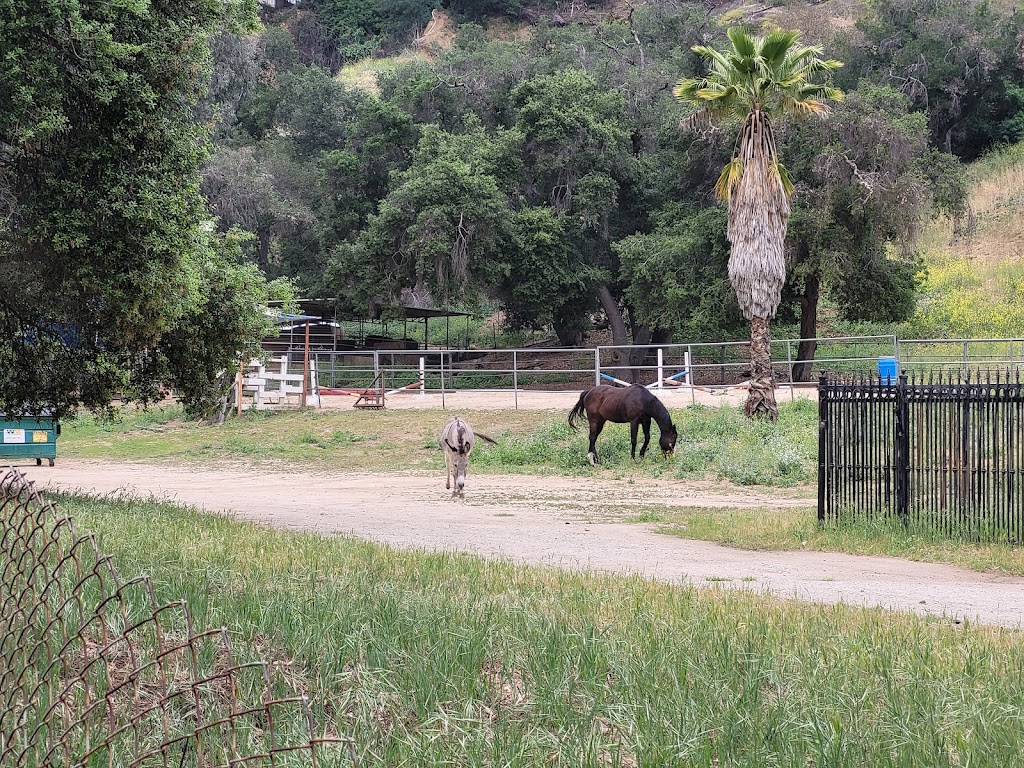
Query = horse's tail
x=482 y=436
x=577 y=410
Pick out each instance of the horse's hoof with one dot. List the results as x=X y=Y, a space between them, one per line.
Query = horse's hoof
x=592 y=458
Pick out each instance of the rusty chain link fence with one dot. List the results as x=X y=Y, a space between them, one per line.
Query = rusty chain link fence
x=94 y=672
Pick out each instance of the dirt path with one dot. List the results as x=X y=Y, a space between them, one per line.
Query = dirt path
x=556 y=521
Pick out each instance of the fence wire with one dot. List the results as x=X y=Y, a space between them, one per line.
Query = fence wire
x=94 y=672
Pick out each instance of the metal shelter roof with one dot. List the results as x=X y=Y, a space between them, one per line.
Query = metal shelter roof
x=419 y=312
x=316 y=309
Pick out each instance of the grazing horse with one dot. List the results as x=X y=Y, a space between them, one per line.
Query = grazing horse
x=456 y=442
x=634 y=404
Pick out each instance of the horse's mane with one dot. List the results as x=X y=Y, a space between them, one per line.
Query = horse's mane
x=658 y=410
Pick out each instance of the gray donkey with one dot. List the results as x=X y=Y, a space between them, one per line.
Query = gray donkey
x=457 y=442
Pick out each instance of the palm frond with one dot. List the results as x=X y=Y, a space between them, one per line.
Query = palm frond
x=783 y=174
x=744 y=44
x=805 y=106
x=716 y=57
x=777 y=45
x=686 y=89
x=716 y=92
x=729 y=178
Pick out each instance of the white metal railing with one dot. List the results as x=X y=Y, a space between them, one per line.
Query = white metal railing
x=709 y=365
x=704 y=365
x=962 y=354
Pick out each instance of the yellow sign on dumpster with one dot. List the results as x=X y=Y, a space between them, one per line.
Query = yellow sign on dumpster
x=39 y=436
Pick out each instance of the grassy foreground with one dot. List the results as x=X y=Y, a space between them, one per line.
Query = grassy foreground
x=453 y=660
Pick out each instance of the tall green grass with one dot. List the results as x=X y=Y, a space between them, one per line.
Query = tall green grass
x=442 y=659
x=719 y=443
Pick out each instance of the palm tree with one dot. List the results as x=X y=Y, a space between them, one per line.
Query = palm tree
x=757 y=80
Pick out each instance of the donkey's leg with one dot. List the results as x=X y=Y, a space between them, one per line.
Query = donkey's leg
x=646 y=424
x=447 y=469
x=596 y=425
x=632 y=439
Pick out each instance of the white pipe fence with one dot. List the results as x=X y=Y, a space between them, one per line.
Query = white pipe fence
x=708 y=366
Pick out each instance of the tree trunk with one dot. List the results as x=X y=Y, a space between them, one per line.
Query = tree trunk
x=620 y=336
x=263 y=252
x=808 y=329
x=761 y=396
x=661 y=336
x=568 y=333
x=638 y=357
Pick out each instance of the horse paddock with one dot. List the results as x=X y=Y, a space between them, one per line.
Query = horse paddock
x=496 y=400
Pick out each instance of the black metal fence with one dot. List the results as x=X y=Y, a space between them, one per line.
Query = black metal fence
x=941 y=452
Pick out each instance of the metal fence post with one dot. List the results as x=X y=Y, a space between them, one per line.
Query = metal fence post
x=515 y=379
x=597 y=366
x=442 y=378
x=822 y=438
x=789 y=366
x=423 y=377
x=689 y=374
x=902 y=450
x=661 y=368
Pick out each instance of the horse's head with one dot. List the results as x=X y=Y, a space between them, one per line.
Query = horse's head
x=667 y=441
x=460 y=464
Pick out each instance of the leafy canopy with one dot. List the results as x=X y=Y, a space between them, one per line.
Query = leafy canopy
x=103 y=236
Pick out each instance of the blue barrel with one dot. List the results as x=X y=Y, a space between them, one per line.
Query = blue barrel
x=887 y=368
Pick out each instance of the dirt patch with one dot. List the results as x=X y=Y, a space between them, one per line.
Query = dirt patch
x=556 y=521
x=679 y=397
x=439 y=32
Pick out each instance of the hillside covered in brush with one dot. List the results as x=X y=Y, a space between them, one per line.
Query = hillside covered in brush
x=528 y=157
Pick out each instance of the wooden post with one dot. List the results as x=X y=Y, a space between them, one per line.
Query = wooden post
x=305 y=369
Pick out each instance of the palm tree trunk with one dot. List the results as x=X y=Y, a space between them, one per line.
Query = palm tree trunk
x=761 y=396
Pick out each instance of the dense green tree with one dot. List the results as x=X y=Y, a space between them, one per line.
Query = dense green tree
x=320 y=163
x=362 y=27
x=758 y=80
x=675 y=277
x=442 y=222
x=541 y=278
x=225 y=324
x=867 y=180
x=957 y=61
x=101 y=218
x=577 y=160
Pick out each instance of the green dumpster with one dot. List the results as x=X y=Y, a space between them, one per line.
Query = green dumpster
x=29 y=437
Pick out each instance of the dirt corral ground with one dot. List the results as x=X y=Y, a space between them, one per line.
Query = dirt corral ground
x=555 y=521
x=679 y=397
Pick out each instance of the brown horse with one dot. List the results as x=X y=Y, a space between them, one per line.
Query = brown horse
x=634 y=404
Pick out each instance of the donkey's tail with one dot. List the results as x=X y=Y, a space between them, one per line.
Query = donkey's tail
x=577 y=410
x=482 y=436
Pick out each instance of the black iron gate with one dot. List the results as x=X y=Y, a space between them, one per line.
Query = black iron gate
x=945 y=454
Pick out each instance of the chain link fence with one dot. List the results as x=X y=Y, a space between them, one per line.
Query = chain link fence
x=94 y=672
